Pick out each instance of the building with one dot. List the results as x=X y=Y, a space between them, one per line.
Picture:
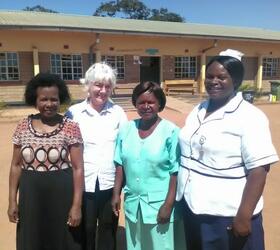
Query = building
x=32 y=42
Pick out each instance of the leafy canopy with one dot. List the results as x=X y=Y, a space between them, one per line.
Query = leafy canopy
x=39 y=8
x=130 y=9
x=135 y=9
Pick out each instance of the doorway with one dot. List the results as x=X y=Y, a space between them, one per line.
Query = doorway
x=150 y=69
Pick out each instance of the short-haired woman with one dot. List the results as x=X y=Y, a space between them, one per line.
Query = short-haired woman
x=50 y=184
x=226 y=154
x=99 y=119
x=147 y=161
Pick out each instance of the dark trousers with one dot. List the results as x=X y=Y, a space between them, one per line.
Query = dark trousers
x=99 y=223
x=207 y=232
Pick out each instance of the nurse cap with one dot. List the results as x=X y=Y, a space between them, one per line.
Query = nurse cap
x=233 y=53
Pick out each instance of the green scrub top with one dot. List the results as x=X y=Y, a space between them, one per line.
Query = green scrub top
x=147 y=164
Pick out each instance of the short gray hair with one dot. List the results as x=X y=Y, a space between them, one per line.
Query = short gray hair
x=100 y=72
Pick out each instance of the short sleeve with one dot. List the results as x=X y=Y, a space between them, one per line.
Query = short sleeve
x=21 y=127
x=73 y=132
x=174 y=151
x=123 y=117
x=69 y=114
x=257 y=148
x=118 y=149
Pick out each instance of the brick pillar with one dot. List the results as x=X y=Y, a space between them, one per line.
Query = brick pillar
x=26 y=66
x=168 y=67
x=45 y=63
x=131 y=71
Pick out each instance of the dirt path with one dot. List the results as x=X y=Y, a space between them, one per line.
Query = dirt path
x=271 y=194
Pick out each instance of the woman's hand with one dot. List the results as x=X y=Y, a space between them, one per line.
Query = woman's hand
x=15 y=173
x=241 y=226
x=13 y=212
x=165 y=210
x=75 y=216
x=164 y=214
x=116 y=204
x=116 y=199
x=252 y=192
x=75 y=213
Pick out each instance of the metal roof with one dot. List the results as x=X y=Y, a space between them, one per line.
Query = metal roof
x=57 y=21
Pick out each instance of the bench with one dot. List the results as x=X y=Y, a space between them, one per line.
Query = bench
x=124 y=88
x=180 y=85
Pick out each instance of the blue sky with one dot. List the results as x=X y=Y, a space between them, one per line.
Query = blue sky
x=247 y=13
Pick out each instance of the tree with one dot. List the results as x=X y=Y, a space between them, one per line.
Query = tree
x=131 y=9
x=164 y=15
x=135 y=9
x=107 y=9
x=39 y=8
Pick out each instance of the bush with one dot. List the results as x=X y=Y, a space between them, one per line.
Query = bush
x=64 y=107
x=3 y=105
x=247 y=86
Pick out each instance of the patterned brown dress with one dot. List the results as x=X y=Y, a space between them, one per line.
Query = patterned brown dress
x=46 y=187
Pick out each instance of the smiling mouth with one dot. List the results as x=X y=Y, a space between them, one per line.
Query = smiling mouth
x=50 y=111
x=145 y=113
x=213 y=89
x=102 y=97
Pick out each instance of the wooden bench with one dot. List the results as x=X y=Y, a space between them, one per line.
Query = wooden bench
x=124 y=88
x=180 y=85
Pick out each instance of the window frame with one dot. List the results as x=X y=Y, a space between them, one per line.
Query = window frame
x=185 y=67
x=272 y=71
x=64 y=66
x=7 y=66
x=115 y=64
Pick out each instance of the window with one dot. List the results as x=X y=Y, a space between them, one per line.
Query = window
x=116 y=62
x=185 y=67
x=68 y=67
x=9 y=69
x=271 y=67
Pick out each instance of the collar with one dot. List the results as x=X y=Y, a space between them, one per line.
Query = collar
x=87 y=108
x=229 y=107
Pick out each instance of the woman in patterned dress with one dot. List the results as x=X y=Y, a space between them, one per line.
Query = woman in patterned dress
x=49 y=182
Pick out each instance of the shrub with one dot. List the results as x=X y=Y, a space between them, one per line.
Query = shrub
x=247 y=86
x=3 y=105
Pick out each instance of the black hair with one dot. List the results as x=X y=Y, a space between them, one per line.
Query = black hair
x=234 y=67
x=151 y=87
x=45 y=80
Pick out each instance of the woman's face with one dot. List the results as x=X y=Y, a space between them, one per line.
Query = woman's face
x=147 y=106
x=99 y=93
x=47 y=101
x=218 y=82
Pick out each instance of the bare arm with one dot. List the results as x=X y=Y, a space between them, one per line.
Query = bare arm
x=75 y=214
x=251 y=195
x=166 y=208
x=116 y=200
x=15 y=172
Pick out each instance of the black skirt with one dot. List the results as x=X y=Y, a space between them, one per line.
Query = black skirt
x=45 y=200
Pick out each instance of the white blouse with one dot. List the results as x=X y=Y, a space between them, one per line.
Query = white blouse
x=217 y=152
